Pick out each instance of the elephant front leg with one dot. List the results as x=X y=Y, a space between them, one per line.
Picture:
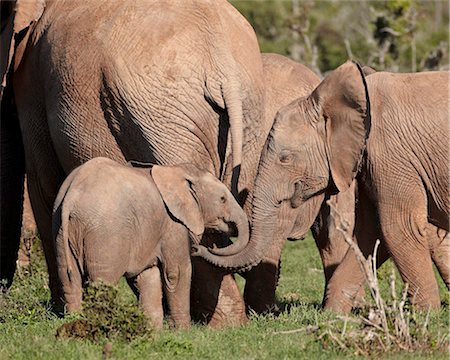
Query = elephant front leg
x=345 y=285
x=262 y=281
x=260 y=287
x=329 y=240
x=11 y=188
x=147 y=287
x=215 y=296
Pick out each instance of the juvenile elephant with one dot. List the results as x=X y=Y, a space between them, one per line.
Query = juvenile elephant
x=286 y=80
x=111 y=220
x=399 y=156
x=156 y=81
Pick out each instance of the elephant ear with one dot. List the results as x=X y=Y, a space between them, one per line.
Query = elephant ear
x=343 y=99
x=367 y=70
x=174 y=184
x=16 y=16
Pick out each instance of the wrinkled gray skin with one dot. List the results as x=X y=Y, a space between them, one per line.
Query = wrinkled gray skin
x=286 y=80
x=317 y=145
x=111 y=220
x=154 y=81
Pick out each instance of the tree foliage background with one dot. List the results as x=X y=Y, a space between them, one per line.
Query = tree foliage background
x=392 y=35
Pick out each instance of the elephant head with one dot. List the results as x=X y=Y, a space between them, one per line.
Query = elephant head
x=315 y=146
x=199 y=200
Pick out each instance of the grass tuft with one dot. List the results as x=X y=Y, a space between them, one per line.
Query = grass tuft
x=106 y=316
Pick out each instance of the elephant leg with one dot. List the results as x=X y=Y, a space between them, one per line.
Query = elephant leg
x=329 y=240
x=262 y=280
x=44 y=178
x=176 y=275
x=345 y=285
x=440 y=253
x=11 y=188
x=71 y=288
x=215 y=296
x=71 y=284
x=148 y=288
x=406 y=231
x=42 y=196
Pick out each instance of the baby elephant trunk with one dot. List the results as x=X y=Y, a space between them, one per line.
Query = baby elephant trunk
x=239 y=256
x=238 y=218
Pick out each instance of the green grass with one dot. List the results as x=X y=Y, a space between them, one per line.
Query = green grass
x=28 y=328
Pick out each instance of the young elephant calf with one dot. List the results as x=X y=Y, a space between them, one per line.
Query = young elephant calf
x=112 y=220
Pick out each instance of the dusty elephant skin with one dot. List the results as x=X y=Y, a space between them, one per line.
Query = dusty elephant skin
x=286 y=80
x=153 y=81
x=111 y=220
x=317 y=146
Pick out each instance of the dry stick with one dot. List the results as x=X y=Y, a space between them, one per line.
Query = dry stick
x=368 y=267
x=339 y=342
x=307 y=328
x=425 y=325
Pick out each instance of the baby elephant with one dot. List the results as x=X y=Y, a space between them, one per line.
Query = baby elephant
x=111 y=220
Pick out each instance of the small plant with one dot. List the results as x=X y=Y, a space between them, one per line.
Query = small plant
x=391 y=325
x=106 y=316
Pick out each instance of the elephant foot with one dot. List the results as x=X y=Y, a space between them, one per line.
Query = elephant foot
x=342 y=300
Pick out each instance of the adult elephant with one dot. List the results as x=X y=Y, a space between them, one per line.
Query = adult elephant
x=320 y=143
x=154 y=81
x=286 y=80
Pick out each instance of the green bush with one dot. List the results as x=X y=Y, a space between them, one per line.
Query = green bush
x=105 y=315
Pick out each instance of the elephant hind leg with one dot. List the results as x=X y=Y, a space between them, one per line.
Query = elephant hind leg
x=147 y=286
x=440 y=253
x=72 y=291
x=405 y=228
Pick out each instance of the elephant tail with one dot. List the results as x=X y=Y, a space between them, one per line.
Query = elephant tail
x=65 y=214
x=232 y=96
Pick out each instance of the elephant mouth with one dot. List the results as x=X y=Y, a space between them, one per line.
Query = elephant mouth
x=296 y=238
x=221 y=228
x=196 y=239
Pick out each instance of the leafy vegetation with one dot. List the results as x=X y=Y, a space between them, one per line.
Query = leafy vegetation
x=393 y=35
x=301 y=331
x=106 y=315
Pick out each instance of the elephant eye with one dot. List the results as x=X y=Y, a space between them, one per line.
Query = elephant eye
x=286 y=157
x=223 y=199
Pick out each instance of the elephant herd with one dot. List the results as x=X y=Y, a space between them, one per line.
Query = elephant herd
x=182 y=84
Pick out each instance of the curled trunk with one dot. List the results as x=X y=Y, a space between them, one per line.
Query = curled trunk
x=264 y=213
x=238 y=218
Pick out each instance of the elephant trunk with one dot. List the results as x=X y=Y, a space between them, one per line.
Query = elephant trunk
x=264 y=212
x=238 y=218
x=233 y=103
